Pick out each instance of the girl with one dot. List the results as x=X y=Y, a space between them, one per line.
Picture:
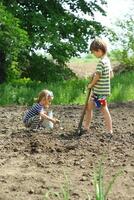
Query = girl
x=37 y=114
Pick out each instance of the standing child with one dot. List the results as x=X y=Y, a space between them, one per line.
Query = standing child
x=100 y=85
x=37 y=114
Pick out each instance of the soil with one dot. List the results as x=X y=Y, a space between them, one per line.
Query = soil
x=85 y=69
x=32 y=163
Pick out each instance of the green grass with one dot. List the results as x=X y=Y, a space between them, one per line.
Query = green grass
x=101 y=189
x=23 y=91
x=122 y=87
x=63 y=194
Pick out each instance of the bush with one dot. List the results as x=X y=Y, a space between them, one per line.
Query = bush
x=124 y=52
x=42 y=69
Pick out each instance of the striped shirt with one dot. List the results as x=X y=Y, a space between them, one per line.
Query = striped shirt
x=34 y=110
x=102 y=87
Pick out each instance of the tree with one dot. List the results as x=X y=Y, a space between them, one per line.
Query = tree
x=124 y=43
x=12 y=40
x=59 y=27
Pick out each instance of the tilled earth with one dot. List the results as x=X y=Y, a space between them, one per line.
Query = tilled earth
x=32 y=164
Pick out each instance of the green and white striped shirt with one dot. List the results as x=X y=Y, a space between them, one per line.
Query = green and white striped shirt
x=102 y=87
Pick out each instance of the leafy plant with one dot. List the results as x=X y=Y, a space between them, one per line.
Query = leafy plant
x=54 y=27
x=12 y=40
x=124 y=52
x=42 y=69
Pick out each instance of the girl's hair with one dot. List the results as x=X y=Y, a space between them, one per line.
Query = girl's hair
x=98 y=44
x=44 y=94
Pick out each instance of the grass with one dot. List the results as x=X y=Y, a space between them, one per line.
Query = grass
x=23 y=91
x=101 y=193
x=63 y=194
x=122 y=87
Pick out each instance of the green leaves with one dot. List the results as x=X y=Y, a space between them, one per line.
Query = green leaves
x=124 y=52
x=13 y=39
x=56 y=21
x=60 y=28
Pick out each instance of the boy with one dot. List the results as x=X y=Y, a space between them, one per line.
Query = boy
x=100 y=85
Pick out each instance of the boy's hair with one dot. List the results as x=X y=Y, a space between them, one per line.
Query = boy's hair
x=44 y=94
x=98 y=44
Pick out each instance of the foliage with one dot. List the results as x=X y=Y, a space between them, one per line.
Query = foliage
x=122 y=87
x=12 y=39
x=42 y=69
x=60 y=28
x=23 y=91
x=124 y=52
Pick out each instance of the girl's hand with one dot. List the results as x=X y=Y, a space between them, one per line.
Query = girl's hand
x=56 y=121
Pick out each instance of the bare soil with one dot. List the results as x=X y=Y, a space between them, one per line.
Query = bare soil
x=82 y=69
x=33 y=163
x=85 y=69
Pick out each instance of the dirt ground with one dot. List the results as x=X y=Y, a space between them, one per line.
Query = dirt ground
x=85 y=69
x=82 y=69
x=33 y=163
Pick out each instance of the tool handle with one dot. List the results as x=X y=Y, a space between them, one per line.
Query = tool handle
x=84 y=110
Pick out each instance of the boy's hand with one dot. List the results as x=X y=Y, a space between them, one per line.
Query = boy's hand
x=89 y=86
x=94 y=80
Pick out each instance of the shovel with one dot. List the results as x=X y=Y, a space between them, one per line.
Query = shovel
x=79 y=130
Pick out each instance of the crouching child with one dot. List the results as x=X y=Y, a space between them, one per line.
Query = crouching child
x=39 y=114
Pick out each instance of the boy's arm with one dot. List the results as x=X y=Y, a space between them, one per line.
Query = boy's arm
x=95 y=79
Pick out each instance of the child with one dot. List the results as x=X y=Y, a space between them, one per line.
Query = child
x=37 y=114
x=100 y=85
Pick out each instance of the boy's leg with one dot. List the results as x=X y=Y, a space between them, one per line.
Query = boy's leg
x=88 y=115
x=107 y=118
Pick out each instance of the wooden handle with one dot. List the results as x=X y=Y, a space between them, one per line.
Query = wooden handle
x=84 y=110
